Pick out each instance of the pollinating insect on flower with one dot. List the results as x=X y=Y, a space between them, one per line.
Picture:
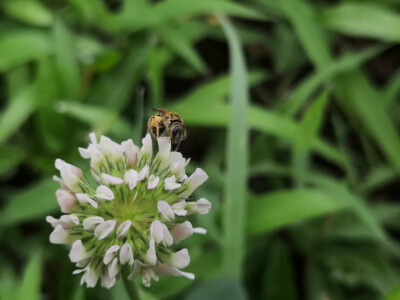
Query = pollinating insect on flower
x=132 y=216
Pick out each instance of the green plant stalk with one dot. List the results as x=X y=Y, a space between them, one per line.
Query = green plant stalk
x=130 y=285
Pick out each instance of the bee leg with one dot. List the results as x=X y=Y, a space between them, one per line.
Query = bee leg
x=177 y=146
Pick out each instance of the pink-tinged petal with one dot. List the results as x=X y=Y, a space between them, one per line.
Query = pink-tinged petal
x=165 y=270
x=104 y=229
x=193 y=182
x=131 y=178
x=78 y=252
x=126 y=254
x=131 y=151
x=91 y=223
x=66 y=200
x=110 y=254
x=153 y=182
x=151 y=256
x=182 y=231
x=180 y=259
x=83 y=198
x=123 y=228
x=104 y=192
x=165 y=210
x=143 y=173
x=111 y=179
x=70 y=175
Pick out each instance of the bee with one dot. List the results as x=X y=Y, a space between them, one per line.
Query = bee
x=168 y=123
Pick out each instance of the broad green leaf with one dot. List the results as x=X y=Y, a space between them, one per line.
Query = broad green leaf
x=218 y=289
x=31 y=203
x=66 y=61
x=17 y=112
x=182 y=47
x=31 y=283
x=364 y=20
x=269 y=122
x=281 y=208
x=306 y=133
x=365 y=102
x=114 y=88
x=308 y=30
x=236 y=157
x=101 y=119
x=30 y=12
x=358 y=205
x=392 y=89
x=140 y=15
x=347 y=62
x=14 y=46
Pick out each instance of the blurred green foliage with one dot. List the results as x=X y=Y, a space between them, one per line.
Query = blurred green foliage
x=291 y=107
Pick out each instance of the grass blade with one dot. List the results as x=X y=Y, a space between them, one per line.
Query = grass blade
x=236 y=161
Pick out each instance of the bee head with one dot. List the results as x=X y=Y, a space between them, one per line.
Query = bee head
x=178 y=133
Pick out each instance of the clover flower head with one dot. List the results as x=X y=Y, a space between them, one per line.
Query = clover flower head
x=132 y=216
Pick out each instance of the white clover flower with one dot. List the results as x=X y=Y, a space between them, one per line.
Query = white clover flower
x=132 y=217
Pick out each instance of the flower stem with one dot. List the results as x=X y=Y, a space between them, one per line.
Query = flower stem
x=130 y=286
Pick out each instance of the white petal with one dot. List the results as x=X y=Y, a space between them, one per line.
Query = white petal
x=66 y=200
x=78 y=252
x=153 y=182
x=170 y=183
x=201 y=206
x=60 y=236
x=69 y=221
x=70 y=174
x=104 y=229
x=164 y=148
x=165 y=270
x=194 y=181
x=110 y=254
x=165 y=210
x=104 y=192
x=180 y=259
x=151 y=257
x=83 y=198
x=179 y=208
x=93 y=138
x=123 y=228
x=146 y=152
x=143 y=173
x=91 y=223
x=80 y=271
x=106 y=280
x=131 y=178
x=85 y=152
x=131 y=151
x=91 y=277
x=53 y=221
x=126 y=254
x=138 y=265
x=114 y=268
x=156 y=231
x=147 y=274
x=111 y=179
x=181 y=231
x=167 y=237
x=110 y=149
x=200 y=230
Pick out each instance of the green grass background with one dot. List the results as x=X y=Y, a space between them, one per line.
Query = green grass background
x=291 y=108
